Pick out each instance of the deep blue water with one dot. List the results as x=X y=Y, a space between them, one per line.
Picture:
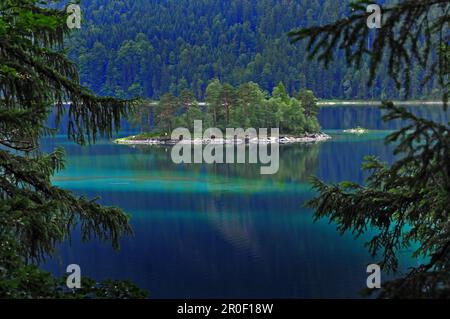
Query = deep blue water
x=225 y=231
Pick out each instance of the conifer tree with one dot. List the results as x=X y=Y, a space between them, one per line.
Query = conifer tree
x=36 y=80
x=406 y=203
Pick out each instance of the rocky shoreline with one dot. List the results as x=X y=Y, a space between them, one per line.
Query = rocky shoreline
x=283 y=139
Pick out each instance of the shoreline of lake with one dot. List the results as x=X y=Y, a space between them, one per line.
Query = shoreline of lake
x=376 y=103
x=283 y=139
x=326 y=102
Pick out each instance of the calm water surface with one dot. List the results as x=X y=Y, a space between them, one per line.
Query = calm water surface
x=225 y=231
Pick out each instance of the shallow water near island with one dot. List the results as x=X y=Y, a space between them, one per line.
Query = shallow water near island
x=225 y=231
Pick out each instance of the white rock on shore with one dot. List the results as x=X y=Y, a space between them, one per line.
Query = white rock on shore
x=357 y=130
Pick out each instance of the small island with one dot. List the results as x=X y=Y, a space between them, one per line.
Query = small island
x=358 y=130
x=225 y=106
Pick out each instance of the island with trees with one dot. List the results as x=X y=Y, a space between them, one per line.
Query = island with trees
x=226 y=106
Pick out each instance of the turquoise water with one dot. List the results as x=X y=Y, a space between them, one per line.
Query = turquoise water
x=224 y=231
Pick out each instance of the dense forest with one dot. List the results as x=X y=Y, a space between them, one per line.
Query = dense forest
x=148 y=48
x=246 y=106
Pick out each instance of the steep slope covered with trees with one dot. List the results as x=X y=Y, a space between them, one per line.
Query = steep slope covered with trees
x=149 y=48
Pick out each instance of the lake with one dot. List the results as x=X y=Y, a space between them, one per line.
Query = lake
x=225 y=231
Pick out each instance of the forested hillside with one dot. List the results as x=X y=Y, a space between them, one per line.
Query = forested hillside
x=148 y=48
